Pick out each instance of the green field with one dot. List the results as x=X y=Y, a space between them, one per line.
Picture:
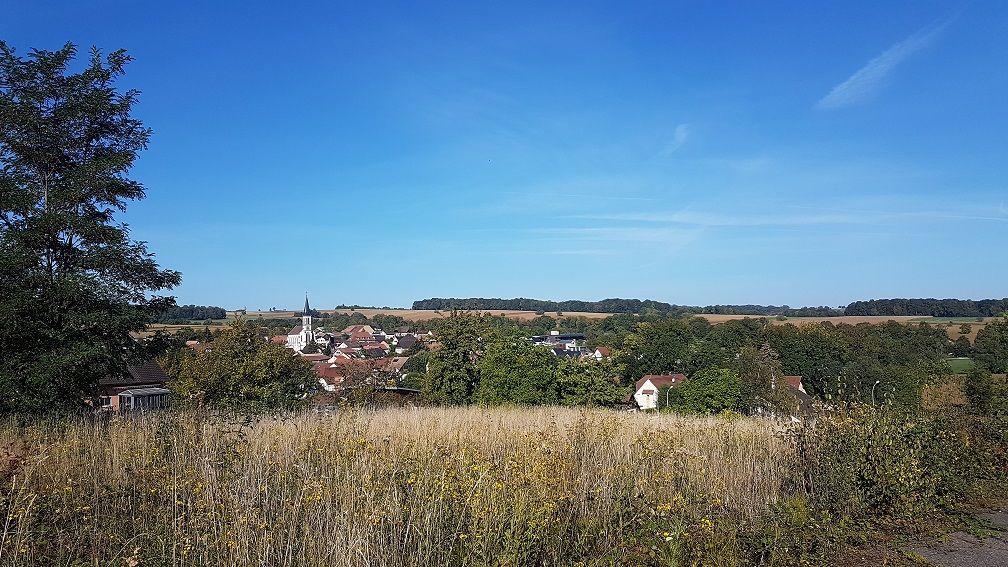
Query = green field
x=960 y=365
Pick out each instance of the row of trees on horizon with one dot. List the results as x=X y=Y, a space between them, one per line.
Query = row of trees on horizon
x=884 y=307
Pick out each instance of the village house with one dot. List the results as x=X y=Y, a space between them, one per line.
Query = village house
x=404 y=343
x=330 y=376
x=142 y=388
x=359 y=331
x=646 y=389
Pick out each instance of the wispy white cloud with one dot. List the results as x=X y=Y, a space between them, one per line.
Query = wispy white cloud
x=702 y=219
x=621 y=234
x=824 y=216
x=868 y=79
x=679 y=138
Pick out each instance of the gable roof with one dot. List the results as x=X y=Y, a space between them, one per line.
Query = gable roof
x=603 y=351
x=141 y=374
x=295 y=331
x=661 y=380
x=396 y=363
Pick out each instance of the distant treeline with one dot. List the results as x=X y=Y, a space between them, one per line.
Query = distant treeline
x=193 y=313
x=766 y=310
x=524 y=304
x=616 y=305
x=930 y=307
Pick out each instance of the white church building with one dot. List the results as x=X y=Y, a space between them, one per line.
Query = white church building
x=299 y=337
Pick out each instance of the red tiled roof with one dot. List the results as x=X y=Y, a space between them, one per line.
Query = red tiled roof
x=279 y=339
x=357 y=330
x=604 y=351
x=325 y=370
x=661 y=380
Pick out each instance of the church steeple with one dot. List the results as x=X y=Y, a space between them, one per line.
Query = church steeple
x=306 y=323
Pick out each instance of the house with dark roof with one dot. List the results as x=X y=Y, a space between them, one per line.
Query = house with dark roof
x=405 y=343
x=142 y=388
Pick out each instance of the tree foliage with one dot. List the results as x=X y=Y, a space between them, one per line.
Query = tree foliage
x=514 y=371
x=75 y=284
x=615 y=305
x=589 y=383
x=929 y=307
x=192 y=313
x=762 y=378
x=991 y=346
x=713 y=390
x=244 y=373
x=452 y=374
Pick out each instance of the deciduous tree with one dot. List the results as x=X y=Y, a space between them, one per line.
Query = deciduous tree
x=75 y=285
x=514 y=371
x=590 y=383
x=709 y=391
x=452 y=374
x=244 y=373
x=991 y=346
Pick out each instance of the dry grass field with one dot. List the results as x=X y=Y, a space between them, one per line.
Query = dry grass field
x=476 y=486
x=389 y=487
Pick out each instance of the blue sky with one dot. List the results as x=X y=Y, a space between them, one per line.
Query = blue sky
x=376 y=153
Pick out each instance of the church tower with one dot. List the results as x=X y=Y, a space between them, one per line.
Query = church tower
x=306 y=324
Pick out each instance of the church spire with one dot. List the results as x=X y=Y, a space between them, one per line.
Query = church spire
x=307 y=310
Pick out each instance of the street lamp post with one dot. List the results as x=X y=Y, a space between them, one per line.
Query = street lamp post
x=873 y=392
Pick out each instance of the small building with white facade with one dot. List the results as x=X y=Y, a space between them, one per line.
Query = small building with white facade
x=648 y=387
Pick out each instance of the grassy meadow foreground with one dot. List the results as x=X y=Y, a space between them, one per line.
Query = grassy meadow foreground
x=463 y=486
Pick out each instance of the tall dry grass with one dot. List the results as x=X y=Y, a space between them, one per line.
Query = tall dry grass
x=392 y=487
